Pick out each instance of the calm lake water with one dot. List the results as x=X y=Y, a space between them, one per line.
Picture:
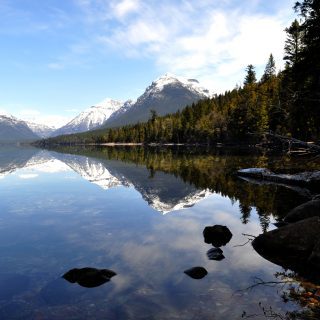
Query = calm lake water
x=141 y=213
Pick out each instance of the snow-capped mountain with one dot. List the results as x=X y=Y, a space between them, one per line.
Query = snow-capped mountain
x=167 y=94
x=15 y=130
x=125 y=107
x=91 y=117
x=41 y=130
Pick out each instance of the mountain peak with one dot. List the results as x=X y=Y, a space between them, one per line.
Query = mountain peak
x=91 y=118
x=171 y=79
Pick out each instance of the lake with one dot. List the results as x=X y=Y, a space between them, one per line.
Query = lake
x=141 y=212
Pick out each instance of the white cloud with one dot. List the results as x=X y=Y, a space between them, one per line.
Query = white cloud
x=125 y=7
x=28 y=176
x=200 y=39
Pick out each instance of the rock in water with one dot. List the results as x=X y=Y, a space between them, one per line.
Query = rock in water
x=215 y=254
x=196 y=272
x=304 y=211
x=217 y=235
x=291 y=246
x=89 y=277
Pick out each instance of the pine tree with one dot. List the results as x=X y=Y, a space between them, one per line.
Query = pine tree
x=251 y=75
x=293 y=44
x=270 y=70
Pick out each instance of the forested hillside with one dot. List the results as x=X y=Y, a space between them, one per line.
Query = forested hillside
x=287 y=102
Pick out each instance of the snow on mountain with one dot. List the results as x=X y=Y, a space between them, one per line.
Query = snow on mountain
x=15 y=130
x=125 y=107
x=165 y=95
x=91 y=117
x=169 y=79
x=41 y=130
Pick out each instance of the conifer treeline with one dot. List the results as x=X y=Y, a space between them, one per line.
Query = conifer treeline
x=287 y=103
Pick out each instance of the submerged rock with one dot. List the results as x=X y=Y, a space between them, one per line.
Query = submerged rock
x=217 y=235
x=304 y=211
x=89 y=277
x=294 y=246
x=196 y=272
x=215 y=254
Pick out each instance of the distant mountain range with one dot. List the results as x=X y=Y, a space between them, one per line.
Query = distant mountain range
x=165 y=95
x=13 y=130
x=90 y=118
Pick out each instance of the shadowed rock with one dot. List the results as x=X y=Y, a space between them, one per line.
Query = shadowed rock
x=295 y=246
x=196 y=272
x=304 y=211
x=215 y=254
x=89 y=277
x=280 y=224
x=217 y=235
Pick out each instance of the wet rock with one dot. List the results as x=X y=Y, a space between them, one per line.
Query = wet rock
x=89 y=277
x=215 y=254
x=291 y=246
x=196 y=272
x=304 y=211
x=217 y=235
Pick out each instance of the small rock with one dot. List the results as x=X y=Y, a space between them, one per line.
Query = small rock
x=217 y=235
x=89 y=277
x=215 y=254
x=196 y=272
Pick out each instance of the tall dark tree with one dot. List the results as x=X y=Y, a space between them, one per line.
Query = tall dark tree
x=270 y=70
x=250 y=76
x=308 y=73
x=293 y=44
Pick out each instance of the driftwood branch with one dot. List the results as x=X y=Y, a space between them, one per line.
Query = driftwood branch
x=250 y=238
x=290 y=145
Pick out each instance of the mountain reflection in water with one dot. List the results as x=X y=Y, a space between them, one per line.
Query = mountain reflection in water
x=88 y=207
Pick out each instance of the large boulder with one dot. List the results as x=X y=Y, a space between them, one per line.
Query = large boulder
x=304 y=211
x=292 y=246
x=217 y=235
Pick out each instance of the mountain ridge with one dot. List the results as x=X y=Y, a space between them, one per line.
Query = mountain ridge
x=167 y=94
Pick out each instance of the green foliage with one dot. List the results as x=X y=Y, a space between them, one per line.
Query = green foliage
x=270 y=70
x=251 y=75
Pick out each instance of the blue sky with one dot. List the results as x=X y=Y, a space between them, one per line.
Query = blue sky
x=59 y=57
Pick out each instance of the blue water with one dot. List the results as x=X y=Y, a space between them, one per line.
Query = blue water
x=59 y=212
